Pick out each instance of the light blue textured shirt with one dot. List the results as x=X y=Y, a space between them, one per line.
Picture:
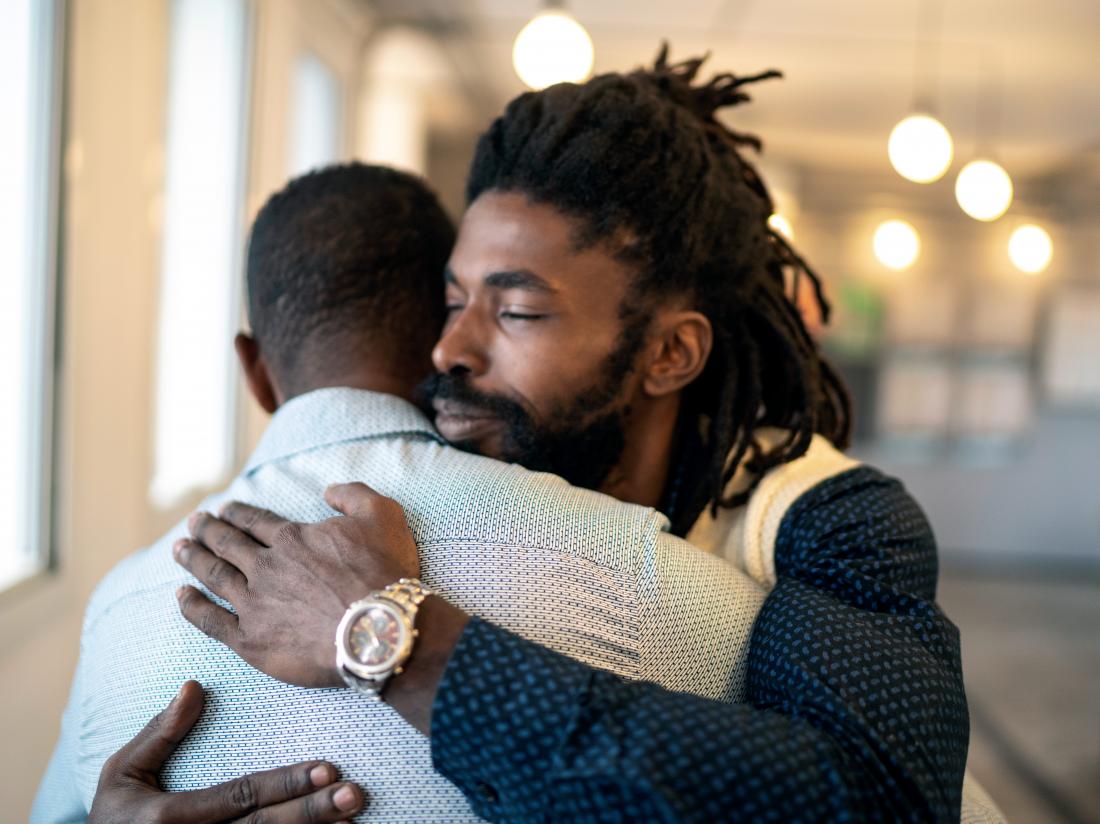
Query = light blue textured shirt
x=577 y=571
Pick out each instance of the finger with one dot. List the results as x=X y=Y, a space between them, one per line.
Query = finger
x=219 y=576
x=332 y=804
x=224 y=540
x=257 y=791
x=149 y=749
x=208 y=618
x=262 y=524
x=352 y=499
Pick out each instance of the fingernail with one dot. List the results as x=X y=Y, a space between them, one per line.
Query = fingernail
x=179 y=593
x=192 y=519
x=344 y=798
x=181 y=550
x=320 y=775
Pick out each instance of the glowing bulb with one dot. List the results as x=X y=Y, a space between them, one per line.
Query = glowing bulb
x=552 y=48
x=781 y=225
x=983 y=190
x=1030 y=248
x=920 y=148
x=896 y=244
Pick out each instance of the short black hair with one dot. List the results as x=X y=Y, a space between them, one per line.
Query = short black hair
x=644 y=165
x=347 y=261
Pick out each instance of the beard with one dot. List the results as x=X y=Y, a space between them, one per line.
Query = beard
x=582 y=440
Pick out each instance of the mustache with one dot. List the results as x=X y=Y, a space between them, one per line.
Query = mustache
x=447 y=387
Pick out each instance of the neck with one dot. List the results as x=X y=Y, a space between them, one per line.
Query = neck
x=642 y=472
x=373 y=378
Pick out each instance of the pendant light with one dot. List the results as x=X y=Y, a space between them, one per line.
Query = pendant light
x=781 y=224
x=983 y=188
x=896 y=244
x=1030 y=248
x=920 y=147
x=552 y=48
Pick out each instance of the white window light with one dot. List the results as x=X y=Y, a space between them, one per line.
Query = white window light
x=29 y=54
x=202 y=247
x=316 y=115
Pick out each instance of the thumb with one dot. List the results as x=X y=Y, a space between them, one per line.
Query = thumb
x=355 y=499
x=157 y=740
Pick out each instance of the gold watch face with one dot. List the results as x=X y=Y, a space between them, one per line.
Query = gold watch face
x=376 y=636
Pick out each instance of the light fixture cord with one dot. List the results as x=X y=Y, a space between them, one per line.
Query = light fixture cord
x=926 y=55
x=988 y=108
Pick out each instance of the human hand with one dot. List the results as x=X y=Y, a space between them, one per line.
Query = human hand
x=129 y=789
x=290 y=583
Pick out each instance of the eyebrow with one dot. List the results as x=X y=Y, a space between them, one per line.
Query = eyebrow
x=512 y=279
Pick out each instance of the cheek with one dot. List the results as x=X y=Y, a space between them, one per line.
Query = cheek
x=525 y=367
x=549 y=374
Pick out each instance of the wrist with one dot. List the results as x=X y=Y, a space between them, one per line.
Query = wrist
x=412 y=693
x=377 y=634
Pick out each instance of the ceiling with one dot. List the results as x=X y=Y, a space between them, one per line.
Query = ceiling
x=1026 y=73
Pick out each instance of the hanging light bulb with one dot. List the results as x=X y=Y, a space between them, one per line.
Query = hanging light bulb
x=920 y=148
x=552 y=48
x=1030 y=248
x=780 y=224
x=983 y=190
x=896 y=244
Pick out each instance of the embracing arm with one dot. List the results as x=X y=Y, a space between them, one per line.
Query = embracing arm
x=857 y=709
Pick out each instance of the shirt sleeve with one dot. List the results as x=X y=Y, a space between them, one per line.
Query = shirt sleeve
x=856 y=709
x=58 y=800
x=690 y=600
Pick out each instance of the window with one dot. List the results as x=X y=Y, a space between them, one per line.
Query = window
x=315 y=115
x=29 y=57
x=201 y=254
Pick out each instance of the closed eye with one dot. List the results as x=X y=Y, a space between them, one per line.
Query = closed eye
x=520 y=316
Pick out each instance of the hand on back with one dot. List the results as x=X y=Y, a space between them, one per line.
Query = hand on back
x=290 y=583
x=129 y=788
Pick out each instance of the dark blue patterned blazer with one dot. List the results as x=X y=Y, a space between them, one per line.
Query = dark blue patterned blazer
x=856 y=706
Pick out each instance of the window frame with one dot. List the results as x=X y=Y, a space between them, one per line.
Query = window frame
x=52 y=87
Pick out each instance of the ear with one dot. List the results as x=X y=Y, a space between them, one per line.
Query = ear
x=681 y=341
x=256 y=372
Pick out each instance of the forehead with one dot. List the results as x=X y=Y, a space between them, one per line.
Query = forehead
x=507 y=232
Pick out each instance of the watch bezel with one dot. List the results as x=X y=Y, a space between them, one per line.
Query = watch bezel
x=347 y=659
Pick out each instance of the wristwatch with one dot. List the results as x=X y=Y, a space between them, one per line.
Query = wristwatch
x=376 y=635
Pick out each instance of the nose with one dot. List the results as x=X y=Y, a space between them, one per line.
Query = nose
x=461 y=348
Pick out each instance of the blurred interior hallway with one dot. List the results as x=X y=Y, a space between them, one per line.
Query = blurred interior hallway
x=1031 y=659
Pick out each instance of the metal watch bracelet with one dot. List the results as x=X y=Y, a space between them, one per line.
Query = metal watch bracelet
x=405 y=595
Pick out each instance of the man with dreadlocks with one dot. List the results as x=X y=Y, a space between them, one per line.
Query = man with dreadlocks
x=617 y=315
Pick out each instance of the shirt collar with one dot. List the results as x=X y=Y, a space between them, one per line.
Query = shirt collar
x=337 y=415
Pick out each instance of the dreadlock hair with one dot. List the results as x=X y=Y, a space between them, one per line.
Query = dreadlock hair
x=643 y=165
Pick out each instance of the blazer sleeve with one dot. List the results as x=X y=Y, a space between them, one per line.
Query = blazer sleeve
x=856 y=709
